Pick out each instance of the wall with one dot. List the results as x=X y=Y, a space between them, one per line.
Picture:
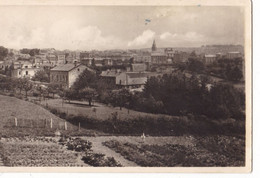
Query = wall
x=74 y=74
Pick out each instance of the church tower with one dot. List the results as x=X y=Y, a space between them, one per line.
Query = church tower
x=154 y=48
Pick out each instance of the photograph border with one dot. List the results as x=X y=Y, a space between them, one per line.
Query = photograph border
x=247 y=4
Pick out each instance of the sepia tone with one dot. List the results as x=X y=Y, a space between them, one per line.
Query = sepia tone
x=125 y=87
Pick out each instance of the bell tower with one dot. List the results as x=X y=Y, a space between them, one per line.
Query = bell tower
x=154 y=48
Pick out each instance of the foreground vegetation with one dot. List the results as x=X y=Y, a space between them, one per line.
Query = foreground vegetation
x=35 y=152
x=220 y=151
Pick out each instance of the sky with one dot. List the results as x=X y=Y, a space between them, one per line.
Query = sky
x=119 y=27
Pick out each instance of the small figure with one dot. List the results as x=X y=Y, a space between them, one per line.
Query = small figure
x=143 y=137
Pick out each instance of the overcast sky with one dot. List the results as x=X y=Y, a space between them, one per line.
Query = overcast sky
x=100 y=28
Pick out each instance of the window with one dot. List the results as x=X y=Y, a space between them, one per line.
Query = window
x=26 y=67
x=78 y=69
x=26 y=72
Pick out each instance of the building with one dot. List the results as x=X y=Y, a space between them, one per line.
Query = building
x=138 y=67
x=66 y=74
x=154 y=48
x=108 y=62
x=23 y=69
x=169 y=53
x=86 y=61
x=158 y=58
x=110 y=76
x=209 y=58
x=131 y=79
x=180 y=57
x=61 y=59
x=234 y=55
x=143 y=57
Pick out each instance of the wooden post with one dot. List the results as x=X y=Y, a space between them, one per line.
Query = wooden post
x=15 y=122
x=65 y=125
x=51 y=123
x=79 y=126
x=45 y=123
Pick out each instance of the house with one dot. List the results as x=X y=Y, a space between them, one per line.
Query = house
x=209 y=58
x=66 y=74
x=169 y=53
x=23 y=69
x=86 y=61
x=139 y=67
x=108 y=62
x=180 y=57
x=158 y=58
x=131 y=79
x=234 y=55
x=110 y=76
x=61 y=59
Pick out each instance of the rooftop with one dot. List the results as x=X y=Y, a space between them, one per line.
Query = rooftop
x=65 y=67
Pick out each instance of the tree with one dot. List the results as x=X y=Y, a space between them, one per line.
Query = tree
x=69 y=94
x=53 y=88
x=233 y=74
x=3 y=52
x=21 y=83
x=87 y=94
x=195 y=65
x=34 y=52
x=41 y=76
x=86 y=79
x=27 y=86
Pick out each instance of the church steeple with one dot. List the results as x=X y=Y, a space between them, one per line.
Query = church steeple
x=154 y=48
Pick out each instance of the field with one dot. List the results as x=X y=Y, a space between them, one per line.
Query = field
x=220 y=151
x=101 y=111
x=21 y=118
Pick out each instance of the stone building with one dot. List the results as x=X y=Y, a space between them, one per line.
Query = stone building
x=66 y=74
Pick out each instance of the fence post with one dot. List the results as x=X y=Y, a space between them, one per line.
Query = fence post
x=65 y=125
x=51 y=123
x=15 y=122
x=79 y=126
x=45 y=123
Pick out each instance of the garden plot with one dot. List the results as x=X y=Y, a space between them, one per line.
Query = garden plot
x=33 y=152
x=220 y=151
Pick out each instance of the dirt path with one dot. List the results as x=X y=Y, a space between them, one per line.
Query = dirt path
x=98 y=147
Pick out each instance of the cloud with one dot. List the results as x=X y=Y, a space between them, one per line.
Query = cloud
x=186 y=39
x=144 y=38
x=69 y=35
x=189 y=36
x=167 y=35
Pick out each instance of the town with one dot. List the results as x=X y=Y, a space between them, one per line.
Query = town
x=125 y=92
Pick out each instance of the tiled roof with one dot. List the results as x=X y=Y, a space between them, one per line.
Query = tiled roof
x=137 y=74
x=65 y=67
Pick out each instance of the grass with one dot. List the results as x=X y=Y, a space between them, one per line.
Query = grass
x=101 y=111
x=31 y=120
x=220 y=151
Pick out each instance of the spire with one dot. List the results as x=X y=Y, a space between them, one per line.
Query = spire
x=154 y=48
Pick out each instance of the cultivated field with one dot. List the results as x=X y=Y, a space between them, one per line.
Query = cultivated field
x=217 y=151
x=34 y=152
